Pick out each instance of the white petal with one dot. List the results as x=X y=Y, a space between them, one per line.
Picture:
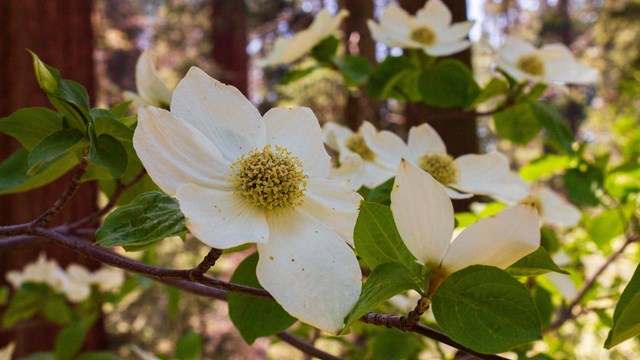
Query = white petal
x=488 y=174
x=334 y=205
x=423 y=214
x=221 y=219
x=385 y=144
x=515 y=47
x=175 y=153
x=395 y=17
x=351 y=172
x=298 y=130
x=15 y=278
x=570 y=72
x=516 y=73
x=108 y=278
x=148 y=83
x=137 y=101
x=79 y=274
x=444 y=49
x=435 y=14
x=309 y=270
x=453 y=194
x=335 y=135
x=556 y=210
x=376 y=173
x=564 y=284
x=498 y=240
x=325 y=24
x=423 y=139
x=77 y=292
x=455 y=32
x=220 y=112
x=556 y=52
x=389 y=37
x=279 y=54
x=6 y=353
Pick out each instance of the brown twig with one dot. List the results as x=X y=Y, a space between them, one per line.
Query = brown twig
x=46 y=216
x=209 y=260
x=113 y=200
x=568 y=313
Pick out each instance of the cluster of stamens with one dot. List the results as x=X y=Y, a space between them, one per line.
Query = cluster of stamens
x=423 y=35
x=533 y=200
x=357 y=144
x=440 y=166
x=269 y=179
x=531 y=64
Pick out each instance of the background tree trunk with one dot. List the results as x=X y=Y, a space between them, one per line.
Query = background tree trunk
x=229 y=36
x=60 y=32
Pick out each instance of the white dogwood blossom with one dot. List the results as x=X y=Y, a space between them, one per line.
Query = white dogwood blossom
x=430 y=30
x=481 y=174
x=240 y=177
x=424 y=216
x=553 y=209
x=289 y=49
x=151 y=89
x=552 y=63
x=378 y=151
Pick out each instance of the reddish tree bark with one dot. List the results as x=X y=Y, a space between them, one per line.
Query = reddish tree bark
x=229 y=35
x=60 y=32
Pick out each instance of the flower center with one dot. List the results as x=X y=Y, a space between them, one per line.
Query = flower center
x=423 y=35
x=531 y=64
x=357 y=144
x=440 y=166
x=270 y=179
x=531 y=199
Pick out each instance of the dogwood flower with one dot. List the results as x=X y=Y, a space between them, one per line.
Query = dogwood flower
x=378 y=165
x=424 y=216
x=482 y=174
x=552 y=63
x=151 y=89
x=288 y=50
x=243 y=178
x=105 y=278
x=429 y=30
x=553 y=209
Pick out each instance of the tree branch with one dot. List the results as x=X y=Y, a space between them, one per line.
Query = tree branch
x=198 y=272
x=46 y=216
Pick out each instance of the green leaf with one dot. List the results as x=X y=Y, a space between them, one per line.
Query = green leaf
x=537 y=263
x=493 y=88
x=582 y=185
x=449 y=83
x=354 y=69
x=173 y=301
x=254 y=317
x=542 y=298
x=377 y=240
x=26 y=302
x=382 y=193
x=517 y=123
x=393 y=344
x=605 y=226
x=30 y=125
x=326 y=49
x=189 y=346
x=107 y=151
x=69 y=97
x=559 y=135
x=150 y=217
x=386 y=75
x=626 y=317
x=97 y=355
x=121 y=109
x=535 y=92
x=384 y=282
x=486 y=310
x=52 y=148
x=544 y=167
x=70 y=340
x=4 y=295
x=13 y=172
x=295 y=75
x=56 y=310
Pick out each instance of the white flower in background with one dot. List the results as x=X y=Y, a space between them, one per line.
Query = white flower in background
x=379 y=151
x=288 y=50
x=482 y=174
x=424 y=216
x=243 y=178
x=6 y=352
x=563 y=282
x=552 y=63
x=151 y=89
x=429 y=30
x=553 y=209
x=105 y=278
